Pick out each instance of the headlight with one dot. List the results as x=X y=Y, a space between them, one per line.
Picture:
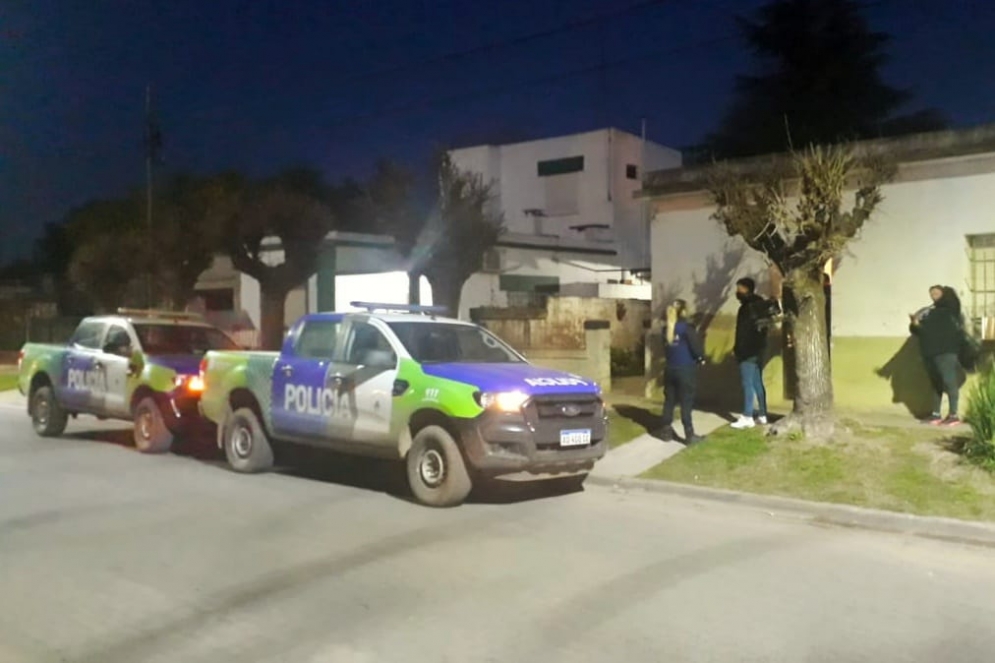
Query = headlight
x=504 y=401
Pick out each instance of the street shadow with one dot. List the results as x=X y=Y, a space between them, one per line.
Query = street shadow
x=910 y=385
x=201 y=447
x=390 y=477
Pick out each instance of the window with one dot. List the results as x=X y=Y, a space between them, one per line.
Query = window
x=449 y=343
x=318 y=339
x=369 y=347
x=88 y=335
x=981 y=253
x=560 y=166
x=632 y=172
x=166 y=339
x=118 y=339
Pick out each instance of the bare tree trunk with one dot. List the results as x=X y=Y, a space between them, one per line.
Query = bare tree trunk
x=813 y=398
x=446 y=293
x=272 y=313
x=414 y=288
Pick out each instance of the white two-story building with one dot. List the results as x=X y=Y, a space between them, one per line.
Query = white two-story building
x=572 y=222
x=573 y=226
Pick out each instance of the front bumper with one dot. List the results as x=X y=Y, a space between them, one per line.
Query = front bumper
x=498 y=443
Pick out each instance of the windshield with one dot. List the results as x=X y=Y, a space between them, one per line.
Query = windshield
x=165 y=339
x=429 y=342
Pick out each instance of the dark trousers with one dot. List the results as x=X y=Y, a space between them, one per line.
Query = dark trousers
x=678 y=389
x=944 y=374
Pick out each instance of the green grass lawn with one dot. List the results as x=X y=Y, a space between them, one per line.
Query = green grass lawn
x=898 y=469
x=8 y=380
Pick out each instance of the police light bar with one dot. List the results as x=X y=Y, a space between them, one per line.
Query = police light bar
x=400 y=308
x=165 y=315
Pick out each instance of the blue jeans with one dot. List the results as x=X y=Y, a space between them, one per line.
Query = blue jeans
x=752 y=376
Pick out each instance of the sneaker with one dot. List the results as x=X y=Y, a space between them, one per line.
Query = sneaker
x=951 y=421
x=762 y=420
x=933 y=420
x=693 y=439
x=743 y=423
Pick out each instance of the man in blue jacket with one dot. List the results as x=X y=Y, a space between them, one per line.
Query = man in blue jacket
x=684 y=352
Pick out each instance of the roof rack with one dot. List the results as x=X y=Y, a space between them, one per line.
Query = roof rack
x=401 y=308
x=165 y=315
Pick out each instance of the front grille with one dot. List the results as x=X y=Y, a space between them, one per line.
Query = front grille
x=566 y=407
x=548 y=415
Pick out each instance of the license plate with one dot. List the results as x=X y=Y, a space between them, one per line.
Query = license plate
x=575 y=438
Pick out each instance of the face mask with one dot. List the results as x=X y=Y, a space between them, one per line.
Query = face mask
x=741 y=296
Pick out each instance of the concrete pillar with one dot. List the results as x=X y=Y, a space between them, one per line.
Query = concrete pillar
x=598 y=344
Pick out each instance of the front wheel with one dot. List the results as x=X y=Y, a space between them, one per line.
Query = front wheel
x=47 y=416
x=151 y=434
x=247 y=446
x=437 y=473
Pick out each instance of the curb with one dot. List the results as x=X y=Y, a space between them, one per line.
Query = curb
x=840 y=515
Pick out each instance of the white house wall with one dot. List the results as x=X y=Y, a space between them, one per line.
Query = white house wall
x=917 y=239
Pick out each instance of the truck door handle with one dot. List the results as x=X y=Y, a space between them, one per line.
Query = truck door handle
x=98 y=364
x=288 y=370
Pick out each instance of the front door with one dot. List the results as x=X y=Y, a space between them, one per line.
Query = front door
x=364 y=379
x=301 y=400
x=82 y=381
x=116 y=360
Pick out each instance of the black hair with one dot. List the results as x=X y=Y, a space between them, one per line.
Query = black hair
x=747 y=283
x=950 y=299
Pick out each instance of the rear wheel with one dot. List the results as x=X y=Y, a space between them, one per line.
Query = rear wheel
x=151 y=434
x=47 y=416
x=247 y=447
x=437 y=473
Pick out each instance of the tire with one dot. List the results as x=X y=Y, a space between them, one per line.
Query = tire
x=247 y=447
x=437 y=473
x=151 y=434
x=47 y=416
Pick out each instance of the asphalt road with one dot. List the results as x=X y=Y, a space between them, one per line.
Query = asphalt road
x=110 y=556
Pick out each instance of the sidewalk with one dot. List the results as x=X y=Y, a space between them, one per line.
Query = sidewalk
x=635 y=457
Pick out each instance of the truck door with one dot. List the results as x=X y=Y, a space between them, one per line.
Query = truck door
x=366 y=374
x=301 y=401
x=116 y=359
x=82 y=382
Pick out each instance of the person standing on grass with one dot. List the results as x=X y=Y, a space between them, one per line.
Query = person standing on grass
x=940 y=329
x=750 y=351
x=684 y=352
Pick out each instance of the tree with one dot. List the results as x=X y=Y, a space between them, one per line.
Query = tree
x=391 y=206
x=109 y=250
x=820 y=82
x=188 y=232
x=461 y=229
x=792 y=211
x=293 y=207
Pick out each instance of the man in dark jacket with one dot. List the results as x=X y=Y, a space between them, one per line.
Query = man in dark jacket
x=750 y=351
x=940 y=329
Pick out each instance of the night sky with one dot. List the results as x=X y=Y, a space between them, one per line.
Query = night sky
x=264 y=84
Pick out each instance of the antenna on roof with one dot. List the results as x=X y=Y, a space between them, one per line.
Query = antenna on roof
x=400 y=308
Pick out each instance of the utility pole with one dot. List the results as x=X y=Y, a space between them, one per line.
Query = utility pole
x=150 y=148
